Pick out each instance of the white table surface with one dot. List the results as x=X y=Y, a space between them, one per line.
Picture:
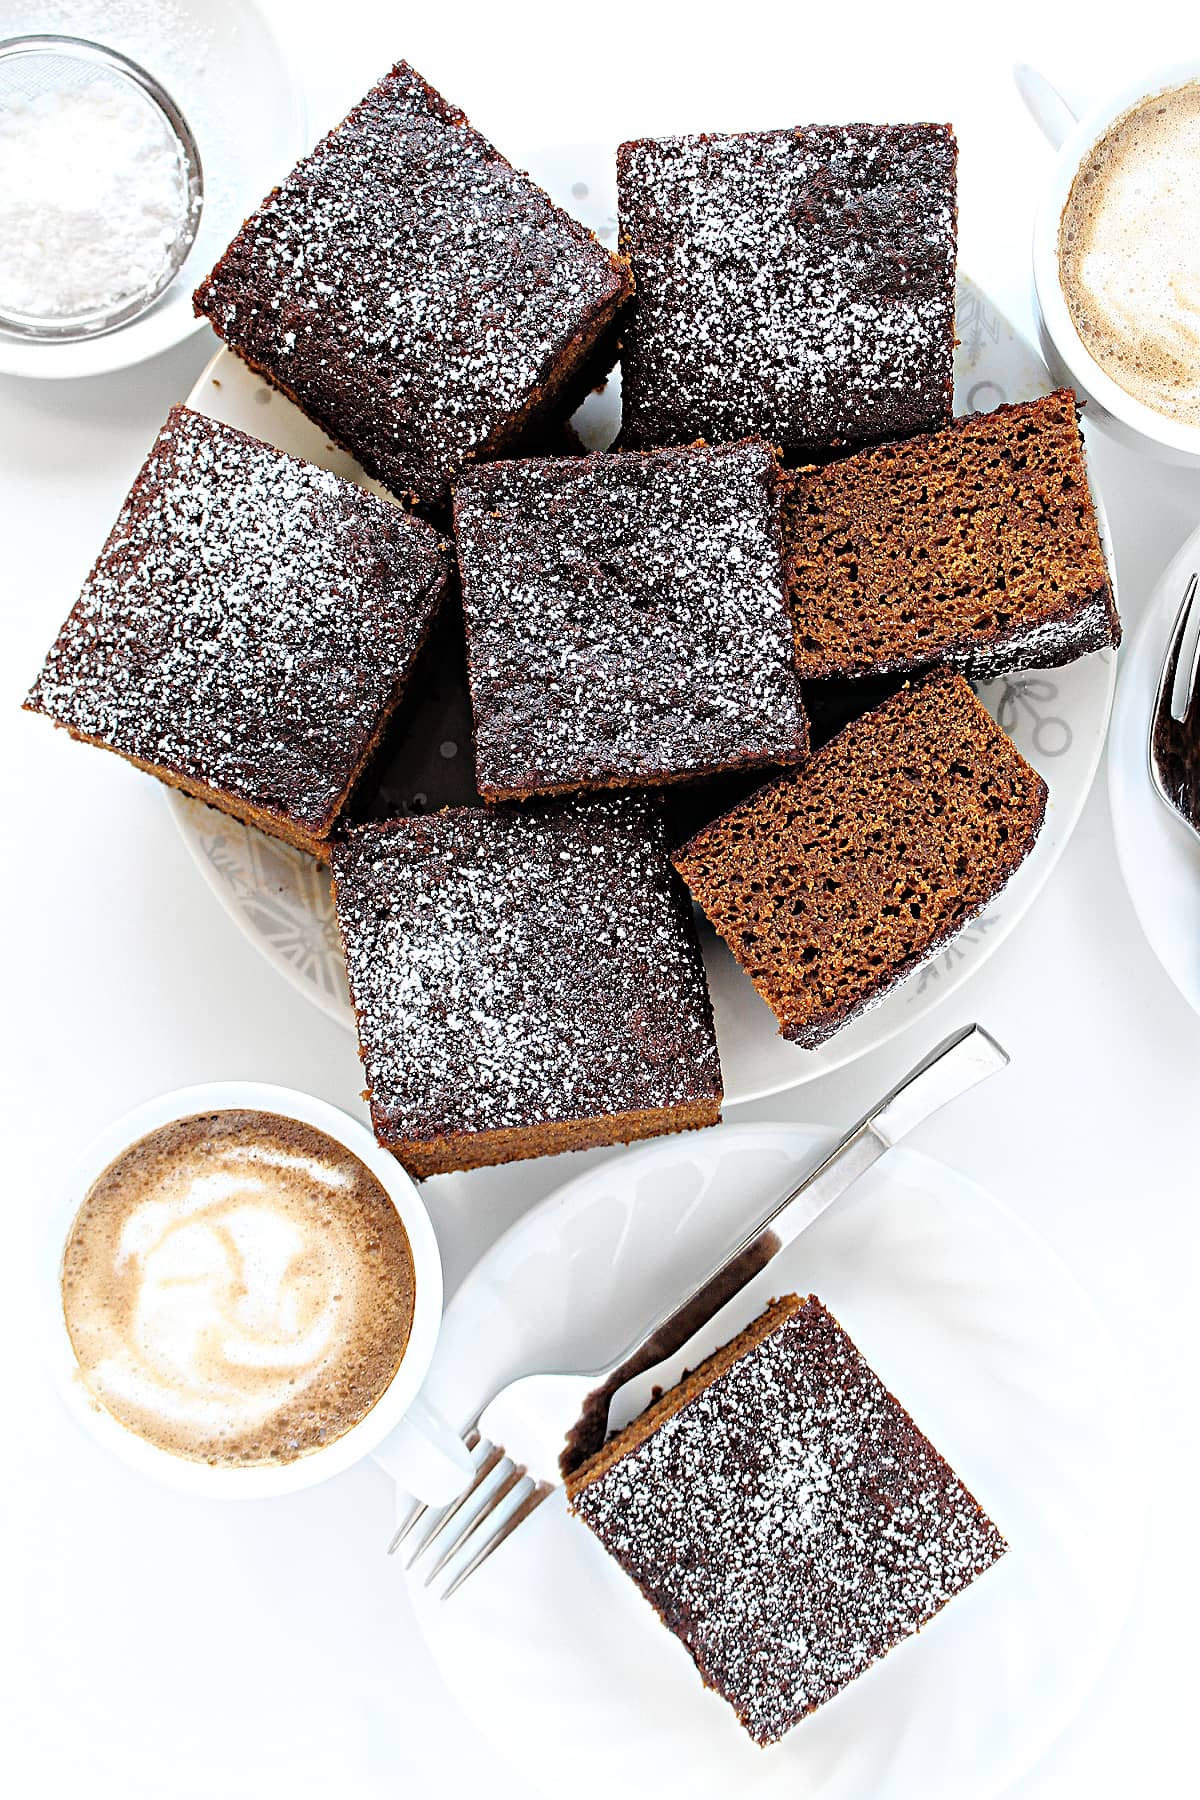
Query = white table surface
x=171 y=1648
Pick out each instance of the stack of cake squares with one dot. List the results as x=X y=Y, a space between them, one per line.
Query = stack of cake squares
x=792 y=525
x=640 y=635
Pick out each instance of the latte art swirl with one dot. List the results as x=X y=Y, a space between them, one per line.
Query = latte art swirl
x=1129 y=252
x=238 y=1288
x=236 y=1298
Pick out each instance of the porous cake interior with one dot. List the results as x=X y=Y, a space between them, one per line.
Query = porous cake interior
x=834 y=882
x=973 y=542
x=459 y=1150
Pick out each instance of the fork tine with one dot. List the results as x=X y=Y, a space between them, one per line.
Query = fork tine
x=487 y=1510
x=488 y=1456
x=539 y=1492
x=415 y=1516
x=1183 y=687
x=419 y=1511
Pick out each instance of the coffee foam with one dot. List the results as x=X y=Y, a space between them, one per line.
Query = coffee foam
x=238 y=1288
x=1129 y=252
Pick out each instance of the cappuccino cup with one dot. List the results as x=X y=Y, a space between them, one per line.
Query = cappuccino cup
x=245 y=1293
x=1113 y=272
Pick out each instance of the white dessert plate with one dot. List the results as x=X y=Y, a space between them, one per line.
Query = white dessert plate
x=223 y=67
x=281 y=899
x=1159 y=856
x=984 y=1336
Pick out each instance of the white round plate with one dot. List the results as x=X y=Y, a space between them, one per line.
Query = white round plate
x=1159 y=856
x=1057 y=720
x=222 y=66
x=982 y=1334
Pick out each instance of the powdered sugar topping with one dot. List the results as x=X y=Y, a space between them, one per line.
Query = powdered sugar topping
x=790 y=1523
x=247 y=624
x=511 y=968
x=797 y=284
x=626 y=618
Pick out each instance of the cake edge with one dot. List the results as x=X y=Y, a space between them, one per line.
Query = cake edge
x=810 y=1034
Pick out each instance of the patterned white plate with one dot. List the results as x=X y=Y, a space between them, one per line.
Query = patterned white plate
x=280 y=898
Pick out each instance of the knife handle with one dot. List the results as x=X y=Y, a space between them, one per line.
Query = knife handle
x=958 y=1064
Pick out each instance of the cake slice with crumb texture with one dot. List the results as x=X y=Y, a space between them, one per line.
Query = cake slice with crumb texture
x=843 y=877
x=976 y=546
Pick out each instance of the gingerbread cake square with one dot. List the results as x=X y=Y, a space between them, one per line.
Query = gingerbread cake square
x=785 y=1517
x=247 y=629
x=797 y=285
x=525 y=980
x=626 y=619
x=842 y=878
x=976 y=546
x=420 y=298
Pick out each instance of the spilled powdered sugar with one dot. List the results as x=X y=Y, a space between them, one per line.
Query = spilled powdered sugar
x=408 y=287
x=790 y=1523
x=797 y=284
x=510 y=968
x=247 y=623
x=626 y=618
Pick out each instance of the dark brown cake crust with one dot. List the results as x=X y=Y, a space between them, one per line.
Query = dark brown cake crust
x=626 y=619
x=797 y=285
x=418 y=297
x=247 y=629
x=785 y=1517
x=977 y=546
x=837 y=881
x=525 y=982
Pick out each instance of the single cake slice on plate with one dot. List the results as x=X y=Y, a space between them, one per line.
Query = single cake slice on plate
x=976 y=546
x=798 y=285
x=841 y=878
x=626 y=618
x=420 y=298
x=525 y=982
x=784 y=1516
x=247 y=629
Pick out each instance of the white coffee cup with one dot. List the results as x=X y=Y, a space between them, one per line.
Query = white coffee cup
x=400 y=1431
x=1133 y=424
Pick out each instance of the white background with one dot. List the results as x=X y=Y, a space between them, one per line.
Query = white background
x=165 y=1647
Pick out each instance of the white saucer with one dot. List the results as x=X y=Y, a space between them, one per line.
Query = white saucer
x=223 y=67
x=981 y=1332
x=1159 y=856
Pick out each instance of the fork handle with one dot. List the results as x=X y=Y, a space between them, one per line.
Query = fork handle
x=958 y=1064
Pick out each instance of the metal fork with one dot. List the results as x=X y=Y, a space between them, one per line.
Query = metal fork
x=1174 y=748
x=540 y=1428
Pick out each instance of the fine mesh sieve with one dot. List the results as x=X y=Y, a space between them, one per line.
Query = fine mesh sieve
x=32 y=70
